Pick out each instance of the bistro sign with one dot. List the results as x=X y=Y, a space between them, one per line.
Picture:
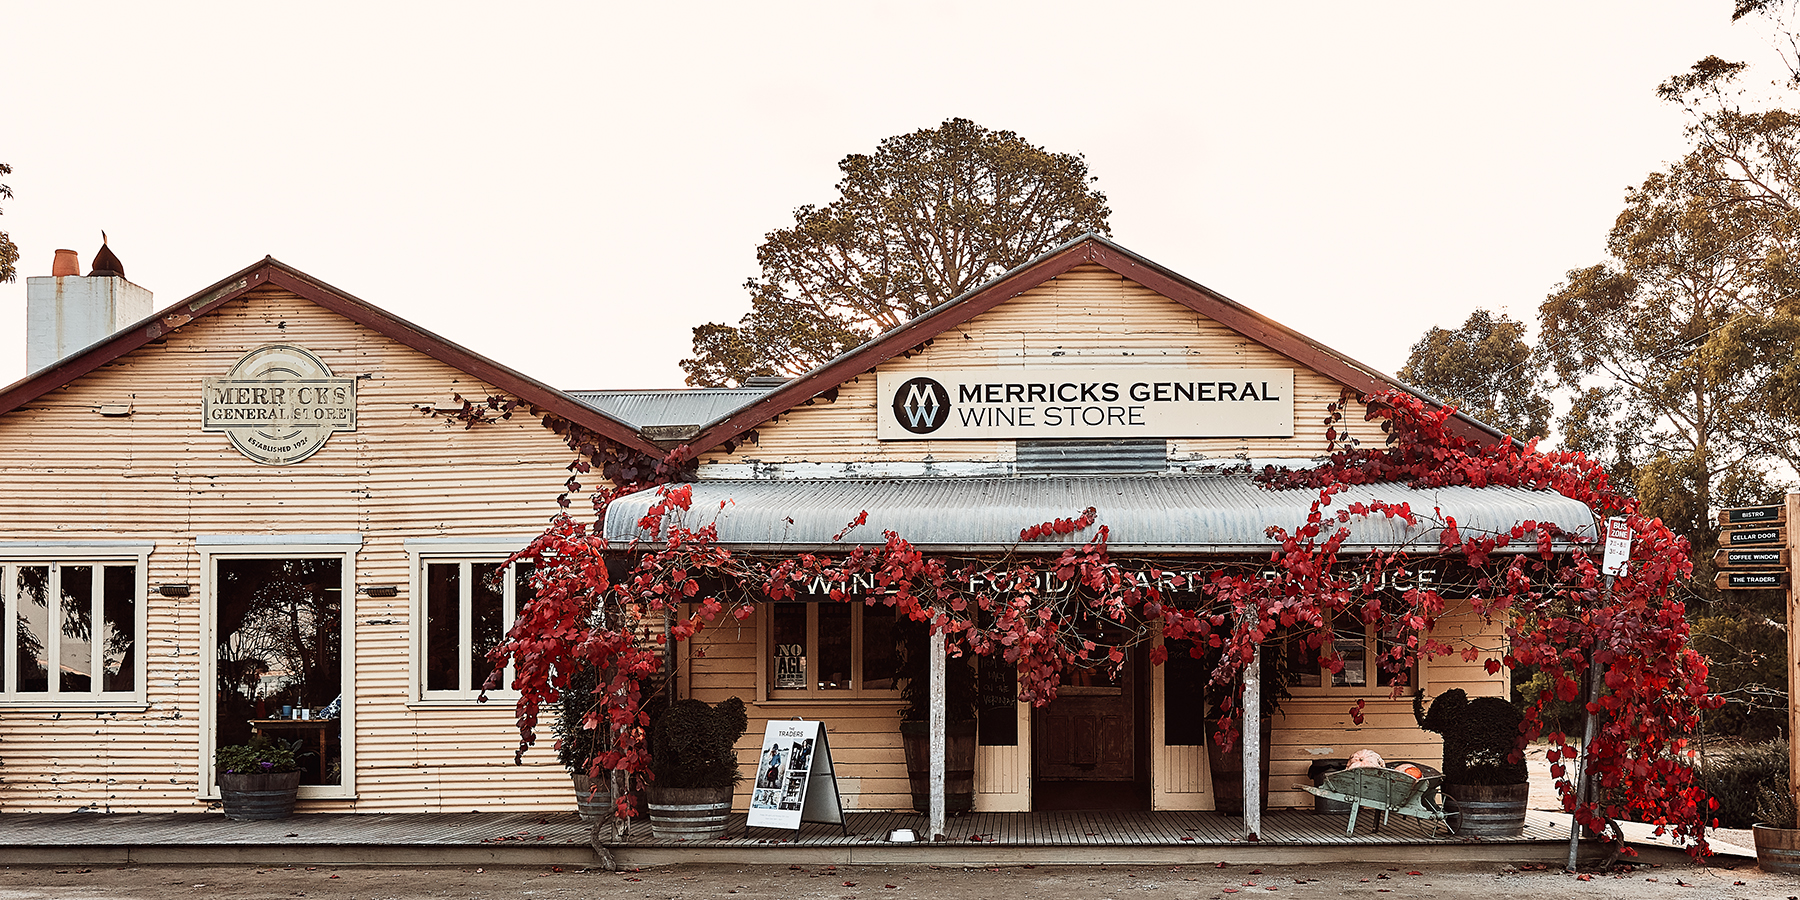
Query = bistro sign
x=278 y=404
x=1093 y=402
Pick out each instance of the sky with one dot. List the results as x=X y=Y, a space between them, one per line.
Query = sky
x=570 y=189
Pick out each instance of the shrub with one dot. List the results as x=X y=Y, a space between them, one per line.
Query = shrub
x=261 y=756
x=1736 y=775
x=694 y=745
x=1481 y=737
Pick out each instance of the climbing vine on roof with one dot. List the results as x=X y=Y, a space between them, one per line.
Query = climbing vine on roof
x=1029 y=607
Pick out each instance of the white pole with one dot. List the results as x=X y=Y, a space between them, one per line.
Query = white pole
x=1253 y=749
x=935 y=817
x=1595 y=675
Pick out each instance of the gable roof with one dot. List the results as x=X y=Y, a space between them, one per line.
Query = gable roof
x=1089 y=249
x=270 y=273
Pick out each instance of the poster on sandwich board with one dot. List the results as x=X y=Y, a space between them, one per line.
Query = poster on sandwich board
x=795 y=781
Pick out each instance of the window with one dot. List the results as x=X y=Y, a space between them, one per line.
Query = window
x=832 y=650
x=71 y=630
x=1358 y=645
x=468 y=605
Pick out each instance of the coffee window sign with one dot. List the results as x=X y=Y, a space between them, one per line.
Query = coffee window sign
x=278 y=404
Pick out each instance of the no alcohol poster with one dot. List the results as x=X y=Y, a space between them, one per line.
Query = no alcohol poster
x=795 y=781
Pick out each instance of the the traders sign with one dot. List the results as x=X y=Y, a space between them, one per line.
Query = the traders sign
x=278 y=404
x=1014 y=403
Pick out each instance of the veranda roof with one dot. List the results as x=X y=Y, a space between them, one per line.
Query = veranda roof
x=1210 y=514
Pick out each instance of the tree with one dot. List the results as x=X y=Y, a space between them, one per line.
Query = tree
x=9 y=251
x=928 y=216
x=1486 y=369
x=1668 y=350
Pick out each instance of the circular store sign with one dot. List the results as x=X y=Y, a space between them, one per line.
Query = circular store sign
x=278 y=404
x=922 y=405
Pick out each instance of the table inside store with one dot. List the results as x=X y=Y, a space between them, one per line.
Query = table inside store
x=321 y=731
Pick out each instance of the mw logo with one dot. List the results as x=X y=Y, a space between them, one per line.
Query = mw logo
x=921 y=405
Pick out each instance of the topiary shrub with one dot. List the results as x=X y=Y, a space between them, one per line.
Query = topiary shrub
x=694 y=745
x=1481 y=737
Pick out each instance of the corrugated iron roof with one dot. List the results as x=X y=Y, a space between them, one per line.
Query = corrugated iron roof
x=1211 y=514
x=680 y=406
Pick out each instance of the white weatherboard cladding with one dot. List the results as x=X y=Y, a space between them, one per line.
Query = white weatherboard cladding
x=1016 y=402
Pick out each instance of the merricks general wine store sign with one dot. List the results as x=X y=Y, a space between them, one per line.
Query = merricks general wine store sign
x=1098 y=402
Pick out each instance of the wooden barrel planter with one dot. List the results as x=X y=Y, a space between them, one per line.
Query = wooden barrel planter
x=688 y=814
x=258 y=797
x=1487 y=810
x=1228 y=772
x=959 y=765
x=1777 y=849
x=592 y=806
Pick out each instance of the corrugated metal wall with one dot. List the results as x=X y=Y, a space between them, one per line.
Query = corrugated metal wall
x=69 y=473
x=1089 y=315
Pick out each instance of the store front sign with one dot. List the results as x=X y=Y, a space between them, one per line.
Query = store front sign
x=1098 y=402
x=278 y=404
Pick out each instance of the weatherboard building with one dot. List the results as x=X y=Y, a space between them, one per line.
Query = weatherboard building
x=239 y=514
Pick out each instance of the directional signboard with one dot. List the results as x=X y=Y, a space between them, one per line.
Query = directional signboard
x=1753 y=551
x=1751 y=515
x=1757 y=558
x=1740 y=581
x=1760 y=536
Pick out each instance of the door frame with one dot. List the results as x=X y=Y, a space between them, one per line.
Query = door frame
x=214 y=547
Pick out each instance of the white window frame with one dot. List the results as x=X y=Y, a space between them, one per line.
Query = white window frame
x=470 y=552
x=213 y=547
x=98 y=554
x=1372 y=672
x=812 y=693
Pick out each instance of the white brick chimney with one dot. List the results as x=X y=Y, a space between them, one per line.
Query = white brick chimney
x=67 y=312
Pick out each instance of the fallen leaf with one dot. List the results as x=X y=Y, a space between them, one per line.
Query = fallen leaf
x=849 y=884
x=1415 y=873
x=1256 y=871
x=1584 y=876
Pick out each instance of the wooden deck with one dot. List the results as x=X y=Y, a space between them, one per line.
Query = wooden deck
x=563 y=839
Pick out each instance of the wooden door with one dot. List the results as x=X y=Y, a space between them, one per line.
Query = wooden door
x=1089 y=733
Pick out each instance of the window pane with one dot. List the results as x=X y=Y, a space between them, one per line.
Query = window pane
x=834 y=646
x=119 y=643
x=881 y=657
x=1351 y=646
x=75 y=668
x=1184 y=696
x=488 y=604
x=789 y=629
x=34 y=629
x=443 y=596
x=1302 y=658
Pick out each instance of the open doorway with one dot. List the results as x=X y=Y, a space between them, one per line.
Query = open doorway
x=1090 y=745
x=279 y=658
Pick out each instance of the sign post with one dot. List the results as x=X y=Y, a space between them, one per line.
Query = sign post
x=1614 y=562
x=1756 y=549
x=795 y=780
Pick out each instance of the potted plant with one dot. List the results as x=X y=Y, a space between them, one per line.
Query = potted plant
x=576 y=746
x=694 y=767
x=1484 y=769
x=258 y=780
x=1777 y=838
x=961 y=702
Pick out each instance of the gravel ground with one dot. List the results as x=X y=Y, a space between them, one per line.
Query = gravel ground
x=1488 y=882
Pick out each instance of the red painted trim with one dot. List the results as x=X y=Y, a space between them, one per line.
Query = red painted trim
x=269 y=273
x=1203 y=300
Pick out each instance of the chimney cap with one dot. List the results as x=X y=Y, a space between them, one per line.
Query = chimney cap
x=106 y=265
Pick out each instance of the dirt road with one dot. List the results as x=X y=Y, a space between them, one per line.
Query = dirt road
x=1376 y=882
